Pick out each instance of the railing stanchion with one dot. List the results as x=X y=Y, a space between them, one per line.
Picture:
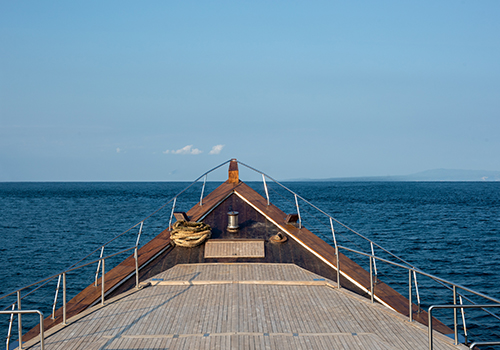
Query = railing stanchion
x=55 y=298
x=371 y=278
x=374 y=261
x=42 y=329
x=459 y=306
x=19 y=321
x=203 y=190
x=298 y=211
x=98 y=266
x=19 y=313
x=338 y=267
x=64 y=297
x=265 y=188
x=136 y=256
x=102 y=282
x=463 y=319
x=172 y=214
x=336 y=253
x=455 y=321
x=431 y=345
x=416 y=290
x=410 y=302
x=9 y=333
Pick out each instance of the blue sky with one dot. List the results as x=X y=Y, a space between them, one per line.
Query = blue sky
x=144 y=91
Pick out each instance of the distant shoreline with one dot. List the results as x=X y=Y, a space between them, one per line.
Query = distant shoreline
x=435 y=175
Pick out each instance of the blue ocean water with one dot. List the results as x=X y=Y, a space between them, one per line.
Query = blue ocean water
x=449 y=229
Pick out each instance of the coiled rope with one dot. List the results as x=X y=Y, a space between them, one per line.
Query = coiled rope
x=190 y=234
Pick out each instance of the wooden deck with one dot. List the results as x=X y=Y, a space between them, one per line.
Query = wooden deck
x=258 y=221
x=240 y=306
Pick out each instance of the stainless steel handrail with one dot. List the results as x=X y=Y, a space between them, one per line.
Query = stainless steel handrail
x=372 y=257
x=424 y=274
x=203 y=190
x=325 y=213
x=65 y=271
x=298 y=212
x=101 y=259
x=98 y=266
x=20 y=312
x=410 y=267
x=463 y=319
x=116 y=237
x=56 y=294
x=172 y=214
x=265 y=188
x=63 y=274
x=479 y=343
x=455 y=306
x=415 y=269
x=9 y=332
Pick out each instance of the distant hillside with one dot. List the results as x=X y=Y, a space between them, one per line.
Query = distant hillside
x=428 y=175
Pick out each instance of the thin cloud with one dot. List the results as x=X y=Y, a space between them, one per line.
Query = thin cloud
x=118 y=150
x=185 y=150
x=216 y=149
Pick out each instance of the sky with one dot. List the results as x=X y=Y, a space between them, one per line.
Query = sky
x=165 y=90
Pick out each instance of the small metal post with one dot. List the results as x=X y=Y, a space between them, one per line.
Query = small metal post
x=338 y=266
x=265 y=188
x=9 y=333
x=98 y=266
x=374 y=261
x=203 y=190
x=136 y=269
x=410 y=302
x=455 y=322
x=55 y=298
x=416 y=290
x=138 y=235
x=42 y=335
x=136 y=256
x=172 y=214
x=336 y=253
x=463 y=319
x=371 y=278
x=102 y=283
x=64 y=298
x=431 y=345
x=298 y=211
x=19 y=322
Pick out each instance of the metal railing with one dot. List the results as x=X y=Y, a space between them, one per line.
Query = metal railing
x=22 y=312
x=100 y=263
x=412 y=271
x=403 y=264
x=62 y=274
x=455 y=307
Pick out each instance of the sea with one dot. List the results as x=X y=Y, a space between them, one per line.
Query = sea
x=447 y=229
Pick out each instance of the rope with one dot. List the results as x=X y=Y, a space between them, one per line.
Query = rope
x=190 y=234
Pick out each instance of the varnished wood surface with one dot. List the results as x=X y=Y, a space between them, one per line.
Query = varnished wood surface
x=271 y=314
x=253 y=225
x=233 y=175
